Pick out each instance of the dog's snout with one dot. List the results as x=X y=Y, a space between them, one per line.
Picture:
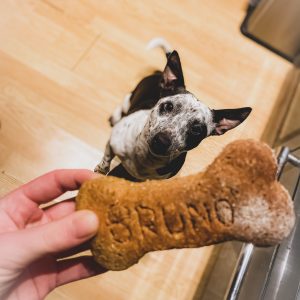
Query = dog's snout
x=163 y=139
x=160 y=143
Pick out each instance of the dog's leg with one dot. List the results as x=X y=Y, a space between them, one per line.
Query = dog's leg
x=120 y=110
x=104 y=166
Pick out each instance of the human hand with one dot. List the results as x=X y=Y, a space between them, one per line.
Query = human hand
x=34 y=240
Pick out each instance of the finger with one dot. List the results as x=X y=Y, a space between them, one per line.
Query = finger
x=53 y=184
x=60 y=210
x=52 y=212
x=54 y=237
x=73 y=269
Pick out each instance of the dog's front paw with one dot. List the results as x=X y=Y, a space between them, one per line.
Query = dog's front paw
x=102 y=168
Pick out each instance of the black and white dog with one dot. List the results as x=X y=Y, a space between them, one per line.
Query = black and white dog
x=159 y=122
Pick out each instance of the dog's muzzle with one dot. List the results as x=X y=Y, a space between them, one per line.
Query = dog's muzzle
x=160 y=143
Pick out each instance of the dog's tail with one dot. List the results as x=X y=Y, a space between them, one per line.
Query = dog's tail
x=123 y=109
x=161 y=43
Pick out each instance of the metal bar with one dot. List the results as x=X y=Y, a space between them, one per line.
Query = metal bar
x=282 y=158
x=247 y=250
x=295 y=161
x=239 y=272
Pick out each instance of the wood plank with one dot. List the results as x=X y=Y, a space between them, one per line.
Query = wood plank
x=39 y=35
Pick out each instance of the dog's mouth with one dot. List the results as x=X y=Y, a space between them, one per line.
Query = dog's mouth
x=170 y=155
x=156 y=152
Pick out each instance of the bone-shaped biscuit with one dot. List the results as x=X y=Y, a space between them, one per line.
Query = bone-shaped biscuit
x=236 y=198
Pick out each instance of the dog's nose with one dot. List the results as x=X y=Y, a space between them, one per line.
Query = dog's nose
x=160 y=143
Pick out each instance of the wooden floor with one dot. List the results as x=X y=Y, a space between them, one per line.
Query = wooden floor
x=65 y=65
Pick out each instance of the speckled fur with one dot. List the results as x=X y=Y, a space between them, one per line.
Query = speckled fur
x=187 y=108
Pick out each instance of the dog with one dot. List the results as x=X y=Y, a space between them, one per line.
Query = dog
x=159 y=122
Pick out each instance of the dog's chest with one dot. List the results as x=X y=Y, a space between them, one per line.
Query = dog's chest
x=125 y=133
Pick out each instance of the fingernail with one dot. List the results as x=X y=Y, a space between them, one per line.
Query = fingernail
x=86 y=223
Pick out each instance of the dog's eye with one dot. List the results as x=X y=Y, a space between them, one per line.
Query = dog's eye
x=197 y=128
x=166 y=107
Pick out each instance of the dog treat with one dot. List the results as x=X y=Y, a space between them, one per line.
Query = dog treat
x=236 y=198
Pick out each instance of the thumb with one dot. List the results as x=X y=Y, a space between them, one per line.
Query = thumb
x=57 y=236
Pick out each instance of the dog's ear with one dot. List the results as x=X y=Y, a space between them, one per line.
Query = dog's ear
x=226 y=119
x=172 y=81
